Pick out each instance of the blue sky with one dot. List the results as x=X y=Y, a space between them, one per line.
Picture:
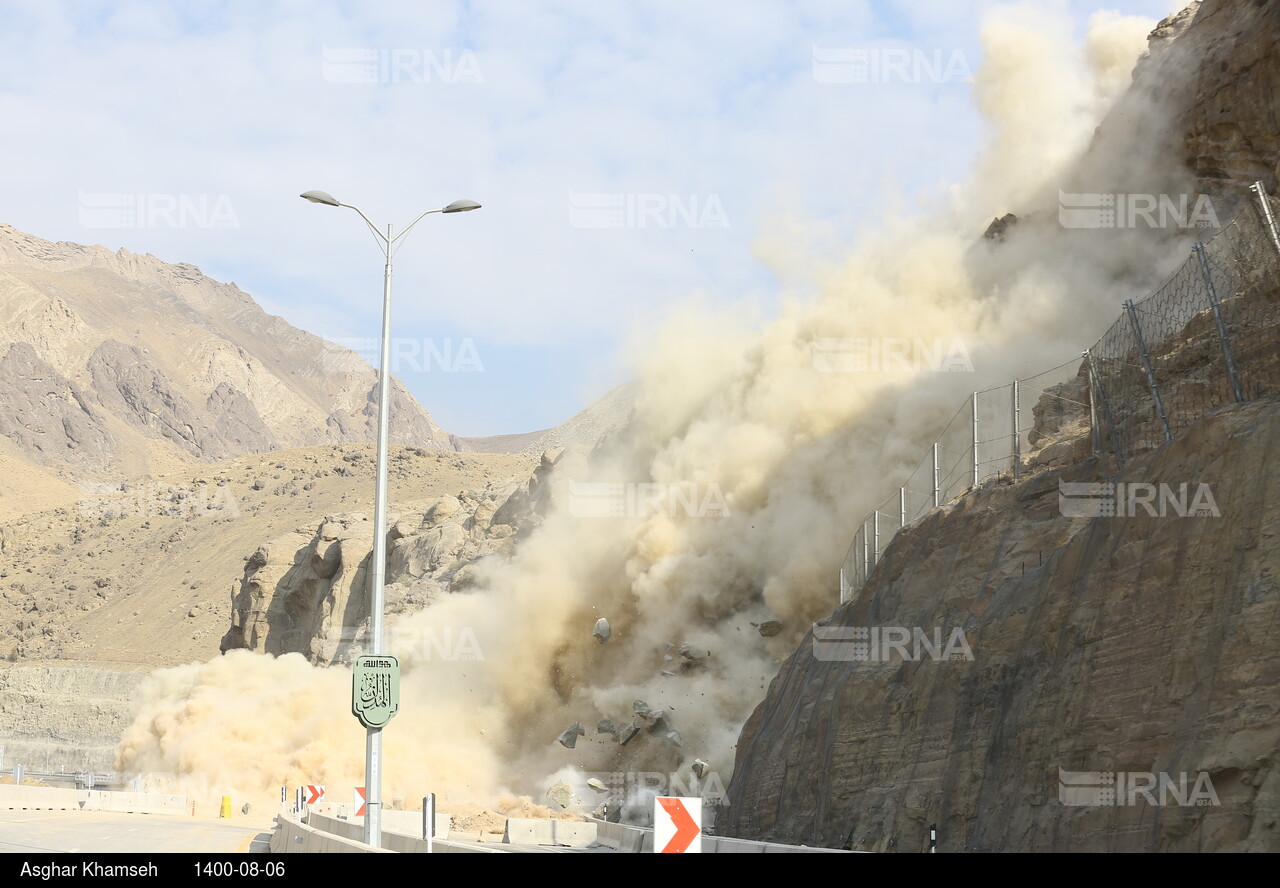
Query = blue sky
x=629 y=156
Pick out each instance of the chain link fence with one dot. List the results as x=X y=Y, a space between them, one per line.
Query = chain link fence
x=1204 y=339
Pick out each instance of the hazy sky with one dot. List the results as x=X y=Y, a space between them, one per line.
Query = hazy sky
x=628 y=155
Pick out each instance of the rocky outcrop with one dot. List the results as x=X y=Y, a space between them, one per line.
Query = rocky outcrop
x=49 y=416
x=1207 y=95
x=1121 y=645
x=307 y=591
x=236 y=420
x=304 y=592
x=1232 y=119
x=134 y=389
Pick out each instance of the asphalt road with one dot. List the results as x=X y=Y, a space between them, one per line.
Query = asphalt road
x=97 y=832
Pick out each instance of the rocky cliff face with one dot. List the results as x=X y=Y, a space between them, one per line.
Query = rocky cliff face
x=1231 y=119
x=1116 y=689
x=1133 y=645
x=1206 y=101
x=117 y=364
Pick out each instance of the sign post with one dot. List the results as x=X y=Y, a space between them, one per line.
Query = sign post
x=375 y=699
x=429 y=821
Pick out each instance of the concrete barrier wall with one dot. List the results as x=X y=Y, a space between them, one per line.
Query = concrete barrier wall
x=623 y=838
x=393 y=839
x=134 y=802
x=535 y=831
x=294 y=837
x=409 y=823
x=725 y=845
x=639 y=840
x=44 y=798
x=38 y=798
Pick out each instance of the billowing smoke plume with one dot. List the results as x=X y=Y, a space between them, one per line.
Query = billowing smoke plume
x=739 y=481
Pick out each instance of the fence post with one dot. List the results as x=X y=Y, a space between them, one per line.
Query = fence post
x=429 y=820
x=1264 y=204
x=1146 y=363
x=902 y=507
x=1198 y=249
x=975 y=439
x=1094 y=443
x=1095 y=385
x=842 y=586
x=1017 y=443
x=875 y=540
x=936 y=498
x=866 y=563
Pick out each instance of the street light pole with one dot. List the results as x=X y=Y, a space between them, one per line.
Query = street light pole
x=378 y=560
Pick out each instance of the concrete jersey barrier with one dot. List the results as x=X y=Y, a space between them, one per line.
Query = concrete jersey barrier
x=46 y=798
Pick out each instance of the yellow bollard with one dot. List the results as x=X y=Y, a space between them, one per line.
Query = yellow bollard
x=226 y=807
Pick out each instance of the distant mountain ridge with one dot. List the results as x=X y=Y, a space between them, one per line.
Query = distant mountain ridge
x=120 y=364
x=586 y=428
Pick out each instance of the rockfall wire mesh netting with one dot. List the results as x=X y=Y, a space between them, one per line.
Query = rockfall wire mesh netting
x=1165 y=362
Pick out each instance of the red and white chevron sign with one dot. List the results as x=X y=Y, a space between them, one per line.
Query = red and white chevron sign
x=677 y=825
x=313 y=793
x=357 y=803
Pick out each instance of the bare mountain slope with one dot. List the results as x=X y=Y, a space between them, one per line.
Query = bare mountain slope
x=116 y=365
x=585 y=428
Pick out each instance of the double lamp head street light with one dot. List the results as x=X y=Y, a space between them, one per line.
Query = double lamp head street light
x=377 y=571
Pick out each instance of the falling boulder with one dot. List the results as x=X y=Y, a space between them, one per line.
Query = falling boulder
x=768 y=628
x=694 y=654
x=569 y=738
x=629 y=733
x=596 y=784
x=561 y=794
x=602 y=632
x=605 y=726
x=640 y=708
x=700 y=768
x=998 y=230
